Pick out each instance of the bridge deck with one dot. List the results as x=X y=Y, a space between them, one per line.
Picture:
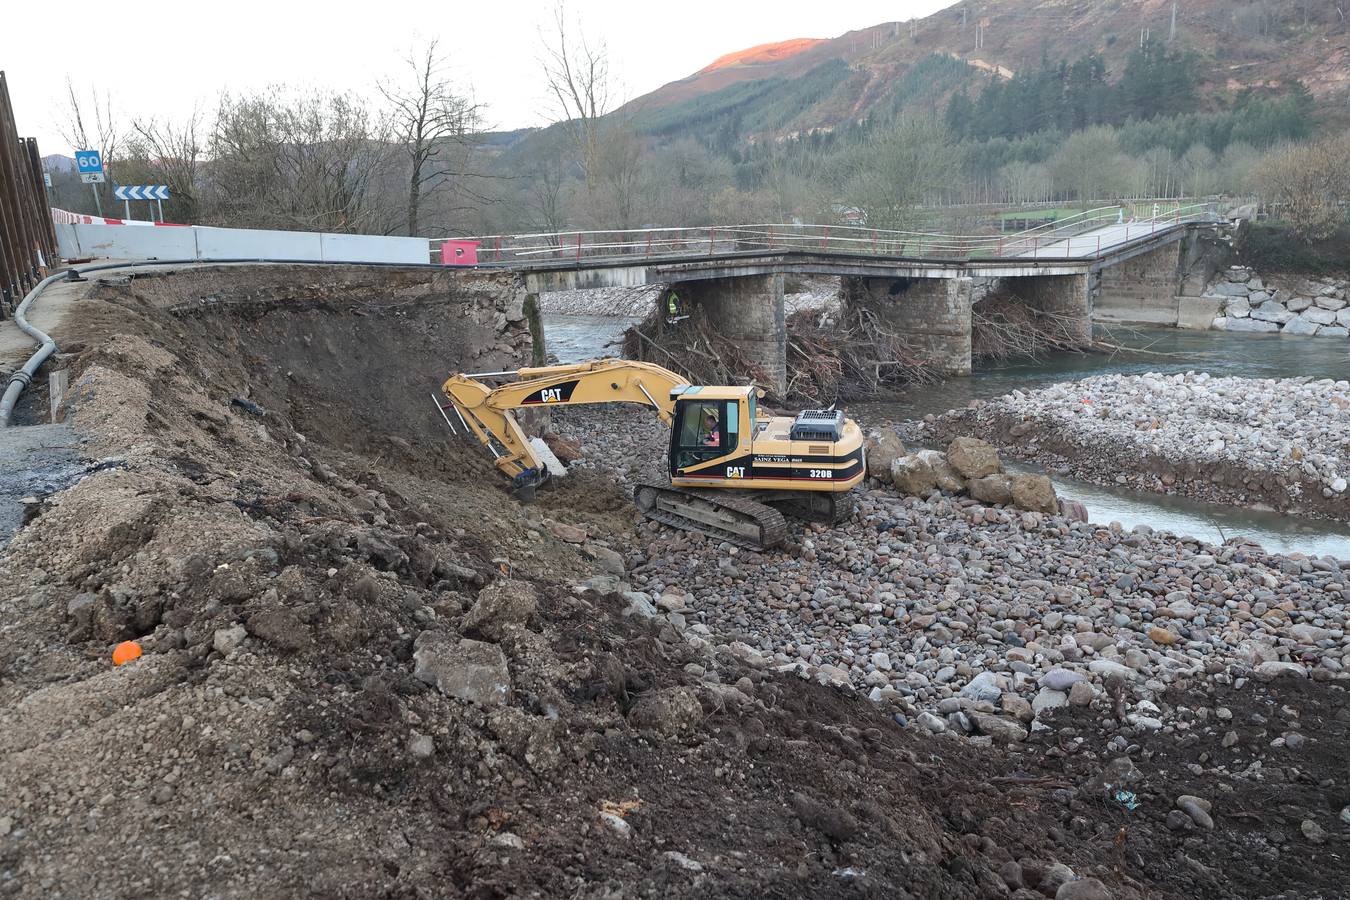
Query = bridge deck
x=1074 y=255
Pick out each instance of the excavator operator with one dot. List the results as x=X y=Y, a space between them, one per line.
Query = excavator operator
x=712 y=437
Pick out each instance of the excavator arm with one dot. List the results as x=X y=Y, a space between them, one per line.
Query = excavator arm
x=489 y=412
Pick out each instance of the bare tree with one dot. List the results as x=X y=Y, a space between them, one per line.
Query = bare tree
x=616 y=188
x=896 y=169
x=1090 y=165
x=437 y=129
x=313 y=162
x=1307 y=184
x=172 y=156
x=577 y=72
x=92 y=127
x=1025 y=182
x=546 y=193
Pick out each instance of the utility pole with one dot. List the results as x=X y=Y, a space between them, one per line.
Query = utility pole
x=1172 y=34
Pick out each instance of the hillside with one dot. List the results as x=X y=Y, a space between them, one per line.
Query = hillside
x=810 y=84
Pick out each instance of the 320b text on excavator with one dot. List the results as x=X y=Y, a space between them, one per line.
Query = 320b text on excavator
x=734 y=471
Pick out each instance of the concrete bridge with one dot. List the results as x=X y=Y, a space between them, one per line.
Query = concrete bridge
x=924 y=286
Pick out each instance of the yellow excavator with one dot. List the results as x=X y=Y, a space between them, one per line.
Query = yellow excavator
x=733 y=469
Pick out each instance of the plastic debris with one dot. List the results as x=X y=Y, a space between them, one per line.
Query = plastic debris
x=1127 y=799
x=125 y=652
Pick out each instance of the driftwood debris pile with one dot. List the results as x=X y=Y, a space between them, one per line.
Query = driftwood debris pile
x=830 y=356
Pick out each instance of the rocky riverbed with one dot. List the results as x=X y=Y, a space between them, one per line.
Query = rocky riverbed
x=977 y=617
x=999 y=627
x=1279 y=442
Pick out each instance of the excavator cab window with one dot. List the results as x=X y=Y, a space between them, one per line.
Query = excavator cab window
x=704 y=430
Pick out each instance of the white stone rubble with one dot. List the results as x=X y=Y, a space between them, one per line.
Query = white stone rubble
x=1295 y=428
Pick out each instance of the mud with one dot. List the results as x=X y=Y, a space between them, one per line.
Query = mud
x=285 y=562
x=35 y=462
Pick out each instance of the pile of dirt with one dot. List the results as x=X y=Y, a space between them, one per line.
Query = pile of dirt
x=368 y=672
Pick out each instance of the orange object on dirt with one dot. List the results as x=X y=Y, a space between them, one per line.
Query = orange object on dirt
x=125 y=652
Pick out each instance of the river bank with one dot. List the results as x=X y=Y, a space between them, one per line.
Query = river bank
x=1277 y=442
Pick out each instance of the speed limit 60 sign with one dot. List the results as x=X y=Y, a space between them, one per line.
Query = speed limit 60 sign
x=90 y=166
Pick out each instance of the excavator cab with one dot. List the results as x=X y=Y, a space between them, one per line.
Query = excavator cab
x=710 y=427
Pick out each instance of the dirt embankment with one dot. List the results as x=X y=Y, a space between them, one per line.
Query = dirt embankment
x=369 y=673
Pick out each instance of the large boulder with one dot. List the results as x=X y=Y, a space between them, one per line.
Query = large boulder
x=1034 y=493
x=947 y=477
x=1253 y=324
x=470 y=670
x=913 y=474
x=1302 y=326
x=992 y=489
x=883 y=448
x=999 y=728
x=1272 y=312
x=973 y=458
x=1319 y=316
x=503 y=603
x=1073 y=510
x=668 y=712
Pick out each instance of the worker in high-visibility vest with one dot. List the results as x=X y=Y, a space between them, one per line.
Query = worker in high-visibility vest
x=673 y=304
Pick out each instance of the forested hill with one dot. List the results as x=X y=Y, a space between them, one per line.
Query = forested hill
x=988 y=101
x=1059 y=50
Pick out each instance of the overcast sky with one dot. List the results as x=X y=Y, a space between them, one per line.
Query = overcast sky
x=161 y=58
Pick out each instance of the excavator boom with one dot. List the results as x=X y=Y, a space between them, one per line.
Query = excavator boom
x=489 y=412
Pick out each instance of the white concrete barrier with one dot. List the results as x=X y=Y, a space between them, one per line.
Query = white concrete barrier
x=371 y=248
x=250 y=243
x=121 y=242
x=196 y=242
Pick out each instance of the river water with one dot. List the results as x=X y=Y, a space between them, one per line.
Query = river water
x=576 y=338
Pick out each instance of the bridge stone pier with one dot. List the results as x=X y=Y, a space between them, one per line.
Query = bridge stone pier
x=749 y=310
x=1067 y=297
x=932 y=314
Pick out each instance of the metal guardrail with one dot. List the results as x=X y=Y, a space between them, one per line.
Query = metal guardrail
x=27 y=238
x=1061 y=239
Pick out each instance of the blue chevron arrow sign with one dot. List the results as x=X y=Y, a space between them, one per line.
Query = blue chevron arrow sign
x=142 y=192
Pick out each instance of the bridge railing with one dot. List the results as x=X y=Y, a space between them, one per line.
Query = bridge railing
x=1089 y=233
x=1066 y=237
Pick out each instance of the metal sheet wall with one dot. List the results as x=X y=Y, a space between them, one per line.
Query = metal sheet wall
x=27 y=238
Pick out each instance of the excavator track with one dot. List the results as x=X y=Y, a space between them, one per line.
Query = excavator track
x=739 y=521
